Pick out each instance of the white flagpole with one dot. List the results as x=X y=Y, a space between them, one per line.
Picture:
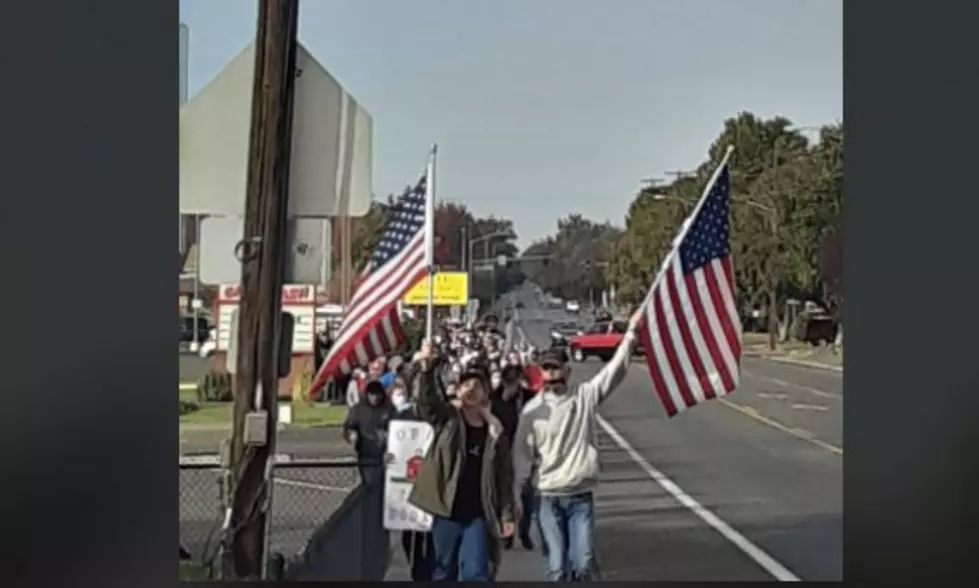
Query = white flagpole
x=685 y=228
x=430 y=242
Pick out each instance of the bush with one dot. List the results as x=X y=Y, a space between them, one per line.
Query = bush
x=188 y=407
x=215 y=386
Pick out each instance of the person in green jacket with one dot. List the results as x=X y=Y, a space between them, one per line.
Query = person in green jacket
x=466 y=480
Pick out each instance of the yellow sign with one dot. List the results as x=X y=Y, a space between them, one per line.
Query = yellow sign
x=451 y=288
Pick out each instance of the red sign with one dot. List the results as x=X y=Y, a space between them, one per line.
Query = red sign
x=414 y=466
x=291 y=293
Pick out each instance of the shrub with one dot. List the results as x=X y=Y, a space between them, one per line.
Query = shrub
x=188 y=407
x=215 y=386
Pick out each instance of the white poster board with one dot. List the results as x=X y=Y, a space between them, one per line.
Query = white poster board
x=407 y=442
x=299 y=300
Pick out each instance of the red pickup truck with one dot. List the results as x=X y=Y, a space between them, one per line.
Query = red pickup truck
x=599 y=340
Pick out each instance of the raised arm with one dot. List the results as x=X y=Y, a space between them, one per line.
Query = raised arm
x=430 y=405
x=608 y=379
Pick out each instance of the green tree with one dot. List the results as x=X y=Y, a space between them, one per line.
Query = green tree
x=572 y=263
x=786 y=194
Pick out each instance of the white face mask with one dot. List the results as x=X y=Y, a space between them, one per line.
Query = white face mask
x=399 y=400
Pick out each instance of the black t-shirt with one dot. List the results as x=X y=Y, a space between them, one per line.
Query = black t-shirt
x=469 y=496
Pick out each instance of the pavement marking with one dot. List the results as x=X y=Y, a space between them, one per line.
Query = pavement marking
x=810 y=364
x=754 y=414
x=810 y=389
x=773 y=396
x=815 y=407
x=760 y=557
x=798 y=433
x=311 y=485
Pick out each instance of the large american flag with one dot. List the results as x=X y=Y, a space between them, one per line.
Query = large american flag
x=371 y=325
x=689 y=326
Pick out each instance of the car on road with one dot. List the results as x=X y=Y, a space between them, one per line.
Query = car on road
x=572 y=306
x=599 y=340
x=562 y=331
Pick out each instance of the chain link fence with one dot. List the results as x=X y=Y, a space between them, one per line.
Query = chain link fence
x=304 y=496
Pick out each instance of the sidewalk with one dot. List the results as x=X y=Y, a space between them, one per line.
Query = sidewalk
x=518 y=565
x=756 y=345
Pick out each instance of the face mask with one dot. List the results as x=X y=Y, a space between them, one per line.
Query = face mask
x=399 y=400
x=495 y=381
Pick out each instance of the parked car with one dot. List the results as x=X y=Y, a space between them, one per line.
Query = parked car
x=187 y=329
x=599 y=340
x=573 y=306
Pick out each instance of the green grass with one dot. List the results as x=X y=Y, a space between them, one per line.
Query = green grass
x=191 y=571
x=217 y=415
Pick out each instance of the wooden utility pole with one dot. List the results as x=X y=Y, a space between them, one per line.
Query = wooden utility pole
x=263 y=253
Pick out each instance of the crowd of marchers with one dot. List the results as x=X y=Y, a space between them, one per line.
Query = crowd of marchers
x=514 y=448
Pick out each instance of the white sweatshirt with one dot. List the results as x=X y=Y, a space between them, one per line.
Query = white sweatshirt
x=557 y=433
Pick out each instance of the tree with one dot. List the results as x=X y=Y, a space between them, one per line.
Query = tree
x=571 y=263
x=831 y=271
x=786 y=194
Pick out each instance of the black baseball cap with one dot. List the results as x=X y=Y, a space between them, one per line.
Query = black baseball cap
x=555 y=357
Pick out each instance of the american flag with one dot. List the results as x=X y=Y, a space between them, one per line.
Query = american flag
x=689 y=326
x=371 y=326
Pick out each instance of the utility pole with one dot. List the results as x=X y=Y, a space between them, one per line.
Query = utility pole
x=262 y=252
x=773 y=219
x=680 y=175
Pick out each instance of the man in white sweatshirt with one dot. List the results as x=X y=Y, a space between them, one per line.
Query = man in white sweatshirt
x=557 y=433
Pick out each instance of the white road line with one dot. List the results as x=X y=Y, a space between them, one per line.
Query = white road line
x=816 y=407
x=763 y=559
x=809 y=389
x=773 y=396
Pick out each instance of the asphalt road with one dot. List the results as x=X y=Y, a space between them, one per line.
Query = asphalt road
x=749 y=487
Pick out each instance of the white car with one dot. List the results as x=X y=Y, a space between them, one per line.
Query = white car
x=572 y=306
x=208 y=347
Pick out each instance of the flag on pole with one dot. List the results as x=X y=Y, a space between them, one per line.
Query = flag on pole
x=689 y=325
x=371 y=325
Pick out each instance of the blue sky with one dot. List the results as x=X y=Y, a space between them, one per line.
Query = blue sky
x=543 y=108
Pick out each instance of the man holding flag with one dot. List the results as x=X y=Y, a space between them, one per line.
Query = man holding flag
x=691 y=332
x=371 y=326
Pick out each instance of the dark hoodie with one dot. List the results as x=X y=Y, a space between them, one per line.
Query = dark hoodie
x=370 y=423
x=508 y=410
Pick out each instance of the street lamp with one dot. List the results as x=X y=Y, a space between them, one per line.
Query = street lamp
x=485 y=239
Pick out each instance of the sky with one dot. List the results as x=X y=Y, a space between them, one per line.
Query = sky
x=543 y=108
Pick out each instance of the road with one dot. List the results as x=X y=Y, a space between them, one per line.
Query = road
x=749 y=487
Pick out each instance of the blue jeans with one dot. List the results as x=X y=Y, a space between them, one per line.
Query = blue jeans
x=461 y=550
x=567 y=524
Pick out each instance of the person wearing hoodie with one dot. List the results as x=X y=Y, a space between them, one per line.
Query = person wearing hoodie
x=366 y=429
x=465 y=481
x=418 y=547
x=556 y=446
x=507 y=401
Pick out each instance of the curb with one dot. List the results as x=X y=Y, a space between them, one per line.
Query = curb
x=280 y=458
x=812 y=364
x=792 y=361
